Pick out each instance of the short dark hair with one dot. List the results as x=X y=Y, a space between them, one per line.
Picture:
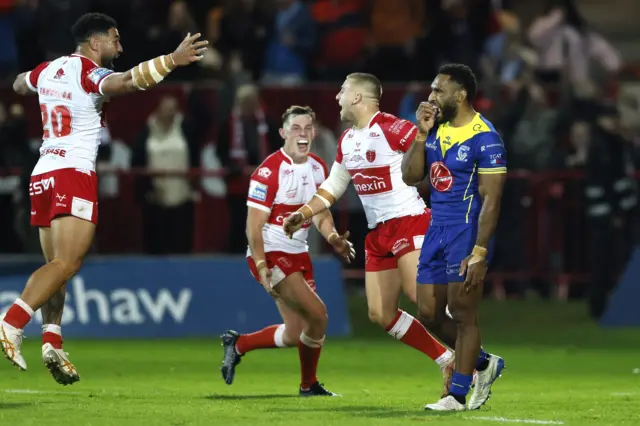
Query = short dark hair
x=370 y=82
x=462 y=75
x=295 y=110
x=90 y=24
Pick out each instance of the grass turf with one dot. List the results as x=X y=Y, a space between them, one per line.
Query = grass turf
x=561 y=369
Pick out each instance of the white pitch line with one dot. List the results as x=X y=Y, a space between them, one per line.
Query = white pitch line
x=33 y=391
x=624 y=394
x=529 y=421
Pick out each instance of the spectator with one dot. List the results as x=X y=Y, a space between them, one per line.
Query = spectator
x=245 y=139
x=568 y=47
x=242 y=35
x=290 y=44
x=15 y=154
x=395 y=25
x=342 y=37
x=167 y=144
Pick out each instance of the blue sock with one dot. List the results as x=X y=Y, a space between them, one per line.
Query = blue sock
x=460 y=385
x=483 y=360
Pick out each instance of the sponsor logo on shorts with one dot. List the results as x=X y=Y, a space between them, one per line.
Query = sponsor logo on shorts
x=82 y=208
x=285 y=261
x=258 y=191
x=42 y=185
x=453 y=269
x=440 y=176
x=372 y=180
x=399 y=245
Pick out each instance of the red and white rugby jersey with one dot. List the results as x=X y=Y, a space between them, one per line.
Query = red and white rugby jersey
x=280 y=187
x=72 y=107
x=373 y=156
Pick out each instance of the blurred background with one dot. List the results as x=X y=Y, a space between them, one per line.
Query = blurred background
x=560 y=80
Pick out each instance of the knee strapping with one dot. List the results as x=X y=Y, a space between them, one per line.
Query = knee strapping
x=312 y=343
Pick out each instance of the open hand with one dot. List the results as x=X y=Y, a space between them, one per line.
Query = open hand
x=189 y=50
x=265 y=279
x=343 y=246
x=476 y=267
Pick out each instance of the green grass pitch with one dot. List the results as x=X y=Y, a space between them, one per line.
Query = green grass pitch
x=561 y=369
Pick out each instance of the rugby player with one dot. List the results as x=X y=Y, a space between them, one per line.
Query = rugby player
x=465 y=160
x=284 y=182
x=72 y=92
x=370 y=154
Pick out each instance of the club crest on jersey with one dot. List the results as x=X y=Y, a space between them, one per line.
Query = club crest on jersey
x=440 y=176
x=264 y=172
x=371 y=156
x=463 y=152
x=59 y=74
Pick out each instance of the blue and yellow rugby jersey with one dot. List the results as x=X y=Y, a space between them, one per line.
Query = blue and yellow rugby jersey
x=454 y=158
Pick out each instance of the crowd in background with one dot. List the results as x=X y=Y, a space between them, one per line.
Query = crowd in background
x=548 y=82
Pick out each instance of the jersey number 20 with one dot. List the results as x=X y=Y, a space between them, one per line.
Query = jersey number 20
x=60 y=121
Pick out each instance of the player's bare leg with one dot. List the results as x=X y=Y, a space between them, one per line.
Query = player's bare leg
x=463 y=307
x=408 y=267
x=432 y=304
x=283 y=335
x=464 y=310
x=296 y=294
x=53 y=356
x=383 y=294
x=71 y=240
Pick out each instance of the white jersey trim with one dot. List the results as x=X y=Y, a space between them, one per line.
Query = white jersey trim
x=27 y=76
x=258 y=206
x=103 y=80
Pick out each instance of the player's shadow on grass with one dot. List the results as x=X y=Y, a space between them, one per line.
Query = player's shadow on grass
x=374 y=412
x=11 y=405
x=223 y=397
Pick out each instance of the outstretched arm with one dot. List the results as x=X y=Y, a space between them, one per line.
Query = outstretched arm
x=150 y=73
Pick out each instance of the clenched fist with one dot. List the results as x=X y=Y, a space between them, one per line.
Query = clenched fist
x=426 y=116
x=293 y=223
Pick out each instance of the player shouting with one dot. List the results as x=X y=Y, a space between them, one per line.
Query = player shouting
x=72 y=92
x=370 y=155
x=466 y=162
x=284 y=182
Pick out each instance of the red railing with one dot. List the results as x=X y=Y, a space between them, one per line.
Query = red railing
x=548 y=209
